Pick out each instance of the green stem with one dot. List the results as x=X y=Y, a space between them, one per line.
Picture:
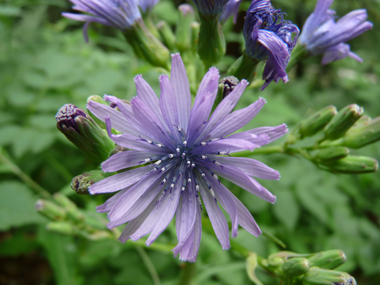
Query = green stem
x=20 y=174
x=149 y=265
x=274 y=239
x=244 y=67
x=187 y=274
x=299 y=54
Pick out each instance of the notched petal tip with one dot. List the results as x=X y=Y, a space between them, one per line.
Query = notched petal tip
x=175 y=55
x=262 y=100
x=137 y=77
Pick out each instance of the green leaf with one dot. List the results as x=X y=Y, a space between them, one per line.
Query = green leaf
x=62 y=254
x=287 y=209
x=17 y=205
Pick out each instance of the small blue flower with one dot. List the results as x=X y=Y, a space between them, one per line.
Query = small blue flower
x=179 y=152
x=268 y=36
x=120 y=14
x=322 y=35
x=210 y=7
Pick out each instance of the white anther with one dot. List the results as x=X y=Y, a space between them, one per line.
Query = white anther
x=163 y=169
x=148 y=141
x=204 y=157
x=185 y=143
x=192 y=165
x=197 y=188
x=160 y=145
x=147 y=159
x=177 y=149
x=203 y=143
x=171 y=155
x=158 y=162
x=189 y=180
x=183 y=188
x=215 y=176
x=203 y=175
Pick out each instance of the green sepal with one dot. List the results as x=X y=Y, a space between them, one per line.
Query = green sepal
x=51 y=210
x=319 y=276
x=362 y=134
x=329 y=259
x=244 y=68
x=317 y=121
x=146 y=46
x=344 y=120
x=80 y=183
x=331 y=153
x=294 y=267
x=211 y=42
x=352 y=165
x=183 y=31
x=167 y=35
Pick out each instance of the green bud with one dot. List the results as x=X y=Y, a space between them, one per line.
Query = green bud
x=84 y=132
x=344 y=120
x=166 y=34
x=183 y=29
x=331 y=153
x=96 y=98
x=318 y=276
x=81 y=182
x=329 y=259
x=317 y=121
x=146 y=46
x=62 y=228
x=70 y=207
x=50 y=210
x=352 y=165
x=211 y=44
x=195 y=27
x=244 y=67
x=363 y=134
x=296 y=266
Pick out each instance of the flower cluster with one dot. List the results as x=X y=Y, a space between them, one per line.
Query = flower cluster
x=175 y=154
x=268 y=35
x=322 y=35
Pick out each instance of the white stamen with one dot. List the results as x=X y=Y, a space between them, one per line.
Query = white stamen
x=185 y=143
x=204 y=157
x=183 y=188
x=177 y=150
x=203 y=143
x=158 y=162
x=171 y=155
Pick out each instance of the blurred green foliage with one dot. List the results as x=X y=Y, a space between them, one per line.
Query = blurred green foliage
x=45 y=63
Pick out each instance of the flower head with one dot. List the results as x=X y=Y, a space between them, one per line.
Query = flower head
x=210 y=7
x=176 y=154
x=322 y=35
x=119 y=14
x=268 y=35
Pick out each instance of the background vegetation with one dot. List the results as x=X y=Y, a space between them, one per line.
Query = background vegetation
x=45 y=63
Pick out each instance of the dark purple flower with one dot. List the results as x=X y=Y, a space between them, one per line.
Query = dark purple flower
x=322 y=35
x=232 y=8
x=119 y=14
x=210 y=7
x=179 y=152
x=268 y=36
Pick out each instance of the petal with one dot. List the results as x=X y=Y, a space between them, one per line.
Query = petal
x=223 y=109
x=149 y=97
x=216 y=217
x=237 y=119
x=273 y=133
x=167 y=214
x=129 y=198
x=338 y=52
x=245 y=218
x=119 y=122
x=128 y=141
x=251 y=167
x=150 y=122
x=180 y=85
x=107 y=206
x=120 y=180
x=241 y=179
x=225 y=145
x=168 y=107
x=85 y=18
x=126 y=159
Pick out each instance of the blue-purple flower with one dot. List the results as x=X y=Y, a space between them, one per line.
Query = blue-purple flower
x=232 y=9
x=322 y=35
x=210 y=7
x=176 y=154
x=268 y=36
x=120 y=14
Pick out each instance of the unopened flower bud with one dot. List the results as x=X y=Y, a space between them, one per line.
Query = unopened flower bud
x=352 y=165
x=69 y=206
x=81 y=182
x=363 y=134
x=183 y=29
x=84 y=132
x=226 y=86
x=344 y=120
x=50 y=210
x=317 y=121
x=329 y=259
x=166 y=34
x=318 y=276
x=296 y=266
x=331 y=153
x=195 y=27
x=65 y=228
